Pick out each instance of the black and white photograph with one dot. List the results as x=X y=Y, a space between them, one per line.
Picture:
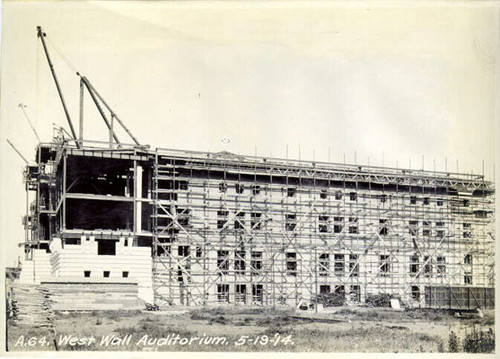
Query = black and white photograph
x=248 y=176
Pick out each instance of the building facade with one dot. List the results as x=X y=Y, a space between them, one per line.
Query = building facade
x=199 y=228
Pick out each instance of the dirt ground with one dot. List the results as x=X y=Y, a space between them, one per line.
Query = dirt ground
x=244 y=329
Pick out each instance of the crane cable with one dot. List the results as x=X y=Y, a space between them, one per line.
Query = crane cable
x=61 y=55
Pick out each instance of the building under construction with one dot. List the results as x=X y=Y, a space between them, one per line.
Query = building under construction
x=199 y=228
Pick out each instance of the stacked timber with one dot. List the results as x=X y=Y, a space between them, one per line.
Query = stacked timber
x=68 y=294
x=30 y=306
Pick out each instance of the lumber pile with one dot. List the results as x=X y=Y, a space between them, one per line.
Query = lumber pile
x=30 y=306
x=68 y=294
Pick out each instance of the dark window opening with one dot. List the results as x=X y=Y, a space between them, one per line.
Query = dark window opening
x=163 y=251
x=255 y=222
x=183 y=251
x=239 y=223
x=222 y=187
x=353 y=265
x=353 y=226
x=291 y=264
x=106 y=273
x=291 y=192
x=413 y=230
x=415 y=292
x=256 y=263
x=414 y=265
x=338 y=266
x=183 y=185
x=439 y=202
x=324 y=289
x=324 y=264
x=183 y=216
x=323 y=224
x=222 y=215
x=106 y=247
x=427 y=201
x=383 y=198
x=199 y=252
x=73 y=241
x=340 y=291
x=258 y=293
x=239 y=262
x=86 y=274
x=240 y=295
x=355 y=293
x=466 y=203
x=338 y=195
x=290 y=222
x=125 y=242
x=441 y=265
x=383 y=227
x=468 y=278
x=468 y=259
x=323 y=194
x=142 y=242
x=239 y=188
x=413 y=200
x=481 y=214
x=384 y=264
x=427 y=267
x=223 y=293
x=125 y=274
x=353 y=196
x=255 y=190
x=223 y=261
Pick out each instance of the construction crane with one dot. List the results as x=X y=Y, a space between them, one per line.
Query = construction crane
x=96 y=98
x=41 y=35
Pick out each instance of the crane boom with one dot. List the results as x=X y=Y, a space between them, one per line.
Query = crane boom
x=41 y=35
x=113 y=114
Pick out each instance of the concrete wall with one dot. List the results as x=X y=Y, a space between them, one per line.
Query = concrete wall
x=74 y=259
x=35 y=269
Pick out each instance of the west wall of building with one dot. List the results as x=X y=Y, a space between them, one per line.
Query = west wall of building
x=228 y=230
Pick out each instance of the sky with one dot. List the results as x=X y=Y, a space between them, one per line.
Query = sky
x=395 y=84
